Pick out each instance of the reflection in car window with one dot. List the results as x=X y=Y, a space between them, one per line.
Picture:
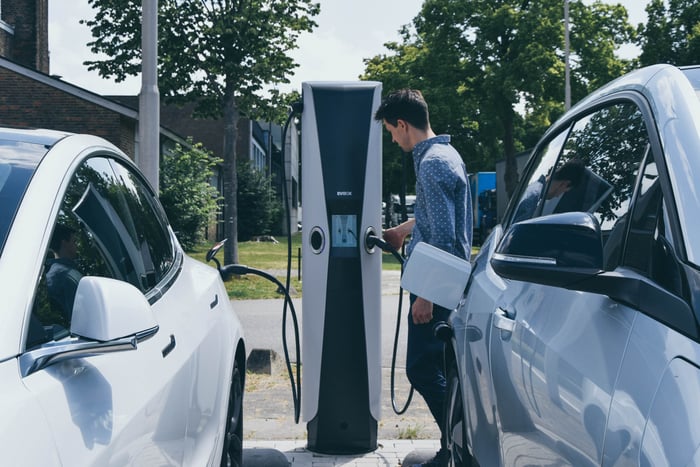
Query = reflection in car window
x=597 y=166
x=649 y=249
x=149 y=230
x=611 y=143
x=18 y=161
x=119 y=232
x=531 y=199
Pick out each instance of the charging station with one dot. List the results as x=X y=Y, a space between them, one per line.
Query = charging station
x=341 y=303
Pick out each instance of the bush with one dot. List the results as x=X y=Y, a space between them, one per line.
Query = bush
x=186 y=193
x=258 y=206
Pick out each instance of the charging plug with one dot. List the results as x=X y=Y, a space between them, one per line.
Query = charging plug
x=372 y=240
x=233 y=270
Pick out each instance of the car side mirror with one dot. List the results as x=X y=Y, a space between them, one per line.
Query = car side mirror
x=556 y=250
x=107 y=309
x=108 y=316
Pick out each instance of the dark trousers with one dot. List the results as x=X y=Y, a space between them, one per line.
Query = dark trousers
x=425 y=364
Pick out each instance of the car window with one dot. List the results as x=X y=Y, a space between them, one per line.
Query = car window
x=591 y=168
x=649 y=248
x=149 y=227
x=108 y=225
x=531 y=199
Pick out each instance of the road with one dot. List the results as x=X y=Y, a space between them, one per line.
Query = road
x=262 y=322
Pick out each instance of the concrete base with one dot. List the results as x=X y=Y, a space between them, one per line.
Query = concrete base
x=264 y=457
x=417 y=457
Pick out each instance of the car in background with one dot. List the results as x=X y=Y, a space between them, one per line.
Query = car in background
x=116 y=348
x=397 y=209
x=577 y=340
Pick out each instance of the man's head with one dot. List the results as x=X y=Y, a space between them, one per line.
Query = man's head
x=402 y=112
x=63 y=242
x=565 y=178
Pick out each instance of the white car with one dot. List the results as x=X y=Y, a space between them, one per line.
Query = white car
x=115 y=347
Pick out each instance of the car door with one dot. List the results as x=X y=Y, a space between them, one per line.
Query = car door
x=124 y=407
x=555 y=353
x=653 y=418
x=193 y=306
x=474 y=320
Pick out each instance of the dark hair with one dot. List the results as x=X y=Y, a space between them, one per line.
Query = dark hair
x=572 y=170
x=61 y=233
x=404 y=104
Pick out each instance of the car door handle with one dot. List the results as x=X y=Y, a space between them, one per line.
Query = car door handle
x=169 y=348
x=503 y=320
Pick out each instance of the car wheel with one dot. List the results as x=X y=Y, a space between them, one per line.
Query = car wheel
x=455 y=423
x=232 y=455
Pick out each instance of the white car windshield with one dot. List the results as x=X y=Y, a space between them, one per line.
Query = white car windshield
x=18 y=161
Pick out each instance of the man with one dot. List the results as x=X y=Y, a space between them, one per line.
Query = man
x=63 y=275
x=442 y=218
x=564 y=179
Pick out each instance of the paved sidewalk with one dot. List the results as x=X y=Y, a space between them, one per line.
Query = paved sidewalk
x=389 y=453
x=268 y=418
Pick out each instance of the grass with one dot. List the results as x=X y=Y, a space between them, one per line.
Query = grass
x=266 y=256
x=410 y=432
x=271 y=258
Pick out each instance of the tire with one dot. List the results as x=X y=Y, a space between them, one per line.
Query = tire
x=232 y=455
x=455 y=424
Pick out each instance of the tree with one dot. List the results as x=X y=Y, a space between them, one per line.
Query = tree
x=189 y=199
x=671 y=35
x=497 y=68
x=219 y=54
x=259 y=207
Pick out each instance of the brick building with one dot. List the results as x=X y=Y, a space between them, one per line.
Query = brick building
x=31 y=97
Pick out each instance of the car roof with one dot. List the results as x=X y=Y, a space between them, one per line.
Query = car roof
x=34 y=136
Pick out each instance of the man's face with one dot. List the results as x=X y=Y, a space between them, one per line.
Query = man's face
x=558 y=188
x=69 y=248
x=399 y=134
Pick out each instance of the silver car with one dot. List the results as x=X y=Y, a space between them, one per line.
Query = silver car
x=115 y=347
x=577 y=339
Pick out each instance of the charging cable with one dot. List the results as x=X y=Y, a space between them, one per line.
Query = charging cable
x=238 y=269
x=297 y=108
x=371 y=241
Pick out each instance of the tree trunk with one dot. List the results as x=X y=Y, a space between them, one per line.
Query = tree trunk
x=230 y=184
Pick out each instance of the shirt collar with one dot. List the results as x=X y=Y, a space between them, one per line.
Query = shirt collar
x=420 y=148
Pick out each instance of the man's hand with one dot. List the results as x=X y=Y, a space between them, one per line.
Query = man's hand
x=421 y=311
x=394 y=238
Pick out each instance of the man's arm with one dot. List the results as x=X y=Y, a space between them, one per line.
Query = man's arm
x=395 y=236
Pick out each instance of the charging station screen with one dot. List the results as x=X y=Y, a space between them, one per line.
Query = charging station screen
x=344 y=227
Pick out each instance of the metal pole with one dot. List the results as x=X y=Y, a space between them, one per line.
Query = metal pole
x=148 y=154
x=567 y=72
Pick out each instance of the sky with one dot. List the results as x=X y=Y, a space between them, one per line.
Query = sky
x=347 y=33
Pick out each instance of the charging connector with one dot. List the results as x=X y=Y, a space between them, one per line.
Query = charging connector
x=371 y=240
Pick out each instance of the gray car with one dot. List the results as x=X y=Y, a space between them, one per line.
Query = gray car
x=577 y=340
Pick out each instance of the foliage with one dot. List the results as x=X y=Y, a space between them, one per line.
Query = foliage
x=217 y=54
x=258 y=206
x=266 y=256
x=493 y=72
x=671 y=35
x=186 y=193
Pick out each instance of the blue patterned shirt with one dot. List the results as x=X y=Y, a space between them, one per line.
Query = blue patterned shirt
x=443 y=209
